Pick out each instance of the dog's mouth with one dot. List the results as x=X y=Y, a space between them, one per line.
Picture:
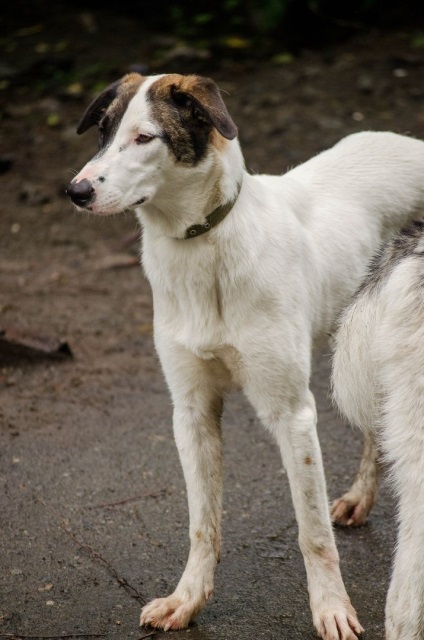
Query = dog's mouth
x=83 y=194
x=92 y=209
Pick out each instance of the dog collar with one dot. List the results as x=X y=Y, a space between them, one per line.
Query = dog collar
x=213 y=218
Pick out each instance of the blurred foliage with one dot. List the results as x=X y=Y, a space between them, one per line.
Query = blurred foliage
x=188 y=18
x=295 y=23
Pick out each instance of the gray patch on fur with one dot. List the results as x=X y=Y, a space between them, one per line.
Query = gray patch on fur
x=406 y=243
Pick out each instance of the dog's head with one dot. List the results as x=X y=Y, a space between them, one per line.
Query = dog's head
x=150 y=127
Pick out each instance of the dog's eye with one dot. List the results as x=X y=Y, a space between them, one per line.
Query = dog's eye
x=143 y=138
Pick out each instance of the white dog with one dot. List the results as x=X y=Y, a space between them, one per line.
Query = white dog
x=247 y=273
x=378 y=382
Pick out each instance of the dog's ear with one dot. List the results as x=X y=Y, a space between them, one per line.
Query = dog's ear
x=98 y=107
x=126 y=88
x=202 y=97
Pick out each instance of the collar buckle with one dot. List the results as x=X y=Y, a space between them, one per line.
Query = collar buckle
x=213 y=218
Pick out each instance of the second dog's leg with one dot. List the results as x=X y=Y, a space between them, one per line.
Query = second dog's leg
x=404 y=606
x=196 y=421
x=402 y=436
x=353 y=507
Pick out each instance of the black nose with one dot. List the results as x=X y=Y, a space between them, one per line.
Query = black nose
x=81 y=193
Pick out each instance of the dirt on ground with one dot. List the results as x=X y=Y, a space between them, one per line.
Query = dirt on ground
x=92 y=501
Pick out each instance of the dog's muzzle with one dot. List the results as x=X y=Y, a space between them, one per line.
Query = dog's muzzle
x=81 y=193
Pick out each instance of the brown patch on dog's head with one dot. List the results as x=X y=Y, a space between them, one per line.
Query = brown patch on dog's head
x=107 y=109
x=192 y=115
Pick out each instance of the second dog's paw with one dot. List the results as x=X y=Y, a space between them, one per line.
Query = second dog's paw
x=168 y=613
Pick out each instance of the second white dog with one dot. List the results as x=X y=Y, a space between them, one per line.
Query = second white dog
x=247 y=272
x=378 y=383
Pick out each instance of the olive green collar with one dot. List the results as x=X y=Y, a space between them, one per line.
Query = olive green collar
x=213 y=218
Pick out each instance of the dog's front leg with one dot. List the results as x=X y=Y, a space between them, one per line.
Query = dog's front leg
x=288 y=411
x=196 y=422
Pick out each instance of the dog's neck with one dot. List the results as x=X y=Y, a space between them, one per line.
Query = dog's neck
x=189 y=194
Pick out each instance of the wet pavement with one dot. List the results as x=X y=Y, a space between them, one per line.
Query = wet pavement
x=94 y=496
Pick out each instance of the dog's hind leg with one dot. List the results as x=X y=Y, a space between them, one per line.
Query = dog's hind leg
x=287 y=408
x=196 y=422
x=353 y=508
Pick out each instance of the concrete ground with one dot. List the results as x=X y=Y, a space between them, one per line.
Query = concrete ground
x=93 y=496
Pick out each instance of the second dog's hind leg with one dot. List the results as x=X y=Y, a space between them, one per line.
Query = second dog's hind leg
x=353 y=508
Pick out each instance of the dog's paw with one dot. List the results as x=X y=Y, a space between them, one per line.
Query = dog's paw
x=339 y=624
x=168 y=613
x=351 y=510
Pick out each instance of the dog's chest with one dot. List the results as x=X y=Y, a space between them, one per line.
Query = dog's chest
x=194 y=311
x=198 y=300
x=202 y=322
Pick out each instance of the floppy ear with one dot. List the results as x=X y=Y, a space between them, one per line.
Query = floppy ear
x=202 y=97
x=97 y=108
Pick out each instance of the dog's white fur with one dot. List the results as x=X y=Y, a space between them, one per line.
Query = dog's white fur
x=244 y=303
x=378 y=383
